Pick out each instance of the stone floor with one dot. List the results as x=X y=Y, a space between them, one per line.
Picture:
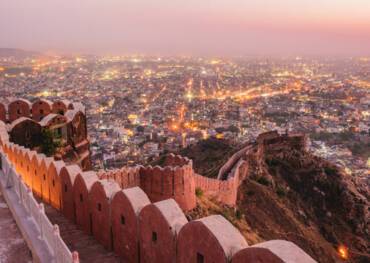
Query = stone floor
x=13 y=248
x=88 y=248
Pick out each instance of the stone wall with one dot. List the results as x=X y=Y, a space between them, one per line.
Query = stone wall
x=176 y=180
x=274 y=143
x=27 y=120
x=128 y=223
x=37 y=110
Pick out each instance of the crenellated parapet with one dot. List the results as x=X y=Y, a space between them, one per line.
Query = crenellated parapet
x=273 y=142
x=36 y=110
x=174 y=180
x=126 y=177
x=177 y=179
x=66 y=121
x=127 y=221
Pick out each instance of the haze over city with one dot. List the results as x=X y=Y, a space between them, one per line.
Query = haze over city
x=217 y=27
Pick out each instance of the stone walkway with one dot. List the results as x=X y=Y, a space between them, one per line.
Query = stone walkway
x=88 y=248
x=13 y=248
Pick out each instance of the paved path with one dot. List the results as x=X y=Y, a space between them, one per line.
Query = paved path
x=13 y=248
x=88 y=248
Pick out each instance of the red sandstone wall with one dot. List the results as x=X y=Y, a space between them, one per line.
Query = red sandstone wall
x=223 y=191
x=25 y=132
x=68 y=175
x=54 y=183
x=212 y=239
x=126 y=177
x=59 y=107
x=273 y=251
x=163 y=183
x=40 y=109
x=197 y=241
x=125 y=209
x=158 y=232
x=17 y=109
x=81 y=188
x=44 y=171
x=177 y=160
x=76 y=125
x=99 y=208
x=2 y=112
x=37 y=174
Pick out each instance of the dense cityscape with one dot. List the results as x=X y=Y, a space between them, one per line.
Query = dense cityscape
x=220 y=131
x=139 y=107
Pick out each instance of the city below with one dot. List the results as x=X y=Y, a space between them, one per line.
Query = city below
x=140 y=107
x=184 y=159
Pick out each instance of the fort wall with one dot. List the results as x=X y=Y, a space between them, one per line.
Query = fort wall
x=156 y=232
x=27 y=120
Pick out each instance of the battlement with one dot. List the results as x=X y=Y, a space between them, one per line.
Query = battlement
x=144 y=224
x=177 y=180
x=271 y=142
x=37 y=110
x=126 y=221
x=174 y=180
x=25 y=122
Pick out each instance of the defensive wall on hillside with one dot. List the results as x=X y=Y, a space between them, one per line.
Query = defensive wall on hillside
x=178 y=180
x=127 y=222
x=25 y=122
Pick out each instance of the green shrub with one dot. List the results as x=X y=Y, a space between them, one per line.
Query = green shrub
x=198 y=192
x=238 y=214
x=272 y=162
x=262 y=180
x=280 y=191
x=49 y=143
x=330 y=171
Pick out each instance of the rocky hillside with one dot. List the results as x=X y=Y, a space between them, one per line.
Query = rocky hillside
x=208 y=155
x=291 y=194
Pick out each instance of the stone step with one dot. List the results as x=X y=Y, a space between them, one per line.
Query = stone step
x=77 y=240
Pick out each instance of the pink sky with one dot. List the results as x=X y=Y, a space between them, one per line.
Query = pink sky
x=198 y=27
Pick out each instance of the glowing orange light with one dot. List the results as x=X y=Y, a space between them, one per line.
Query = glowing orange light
x=343 y=252
x=219 y=136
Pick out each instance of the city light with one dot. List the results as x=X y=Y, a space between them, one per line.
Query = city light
x=343 y=252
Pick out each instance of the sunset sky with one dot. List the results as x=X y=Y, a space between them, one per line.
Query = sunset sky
x=188 y=27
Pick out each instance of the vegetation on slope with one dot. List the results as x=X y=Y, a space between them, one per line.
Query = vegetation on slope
x=296 y=196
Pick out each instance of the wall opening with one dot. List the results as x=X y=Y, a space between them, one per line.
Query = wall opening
x=81 y=198
x=154 y=237
x=200 y=258
x=123 y=220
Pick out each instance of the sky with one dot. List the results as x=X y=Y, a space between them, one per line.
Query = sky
x=188 y=27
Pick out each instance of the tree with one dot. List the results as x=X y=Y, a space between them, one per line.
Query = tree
x=48 y=142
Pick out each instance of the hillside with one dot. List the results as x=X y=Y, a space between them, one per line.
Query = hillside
x=17 y=53
x=291 y=194
x=209 y=155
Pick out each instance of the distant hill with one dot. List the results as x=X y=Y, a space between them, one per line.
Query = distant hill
x=18 y=53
